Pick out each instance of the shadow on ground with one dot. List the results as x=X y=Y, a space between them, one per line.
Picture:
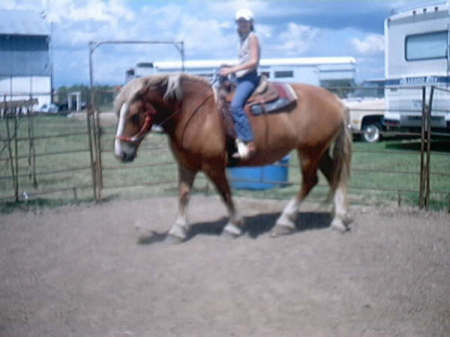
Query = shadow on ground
x=254 y=226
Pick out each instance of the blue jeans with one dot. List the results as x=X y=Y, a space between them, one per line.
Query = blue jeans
x=245 y=87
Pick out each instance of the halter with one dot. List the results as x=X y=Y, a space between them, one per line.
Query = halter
x=148 y=122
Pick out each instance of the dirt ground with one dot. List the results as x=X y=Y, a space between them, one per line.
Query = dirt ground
x=87 y=271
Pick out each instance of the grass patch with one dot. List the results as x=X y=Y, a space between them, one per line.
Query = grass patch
x=382 y=173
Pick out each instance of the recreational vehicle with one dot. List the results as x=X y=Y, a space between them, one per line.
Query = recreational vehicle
x=417 y=56
x=323 y=71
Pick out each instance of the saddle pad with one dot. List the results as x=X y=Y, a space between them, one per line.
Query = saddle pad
x=286 y=96
x=283 y=96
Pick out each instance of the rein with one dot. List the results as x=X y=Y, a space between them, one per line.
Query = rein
x=148 y=122
x=193 y=113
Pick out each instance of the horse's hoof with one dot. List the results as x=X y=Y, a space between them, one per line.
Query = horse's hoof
x=178 y=233
x=232 y=231
x=174 y=240
x=339 y=226
x=347 y=220
x=280 y=230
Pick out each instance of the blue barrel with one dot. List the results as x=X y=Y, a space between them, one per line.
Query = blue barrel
x=260 y=177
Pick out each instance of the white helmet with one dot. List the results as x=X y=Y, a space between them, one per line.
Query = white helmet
x=245 y=14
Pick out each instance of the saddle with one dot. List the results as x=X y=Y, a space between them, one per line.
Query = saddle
x=267 y=98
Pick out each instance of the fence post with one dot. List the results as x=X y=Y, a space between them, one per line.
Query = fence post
x=98 y=148
x=448 y=197
x=10 y=154
x=31 y=147
x=422 y=150
x=90 y=125
x=16 y=151
x=427 y=184
x=91 y=151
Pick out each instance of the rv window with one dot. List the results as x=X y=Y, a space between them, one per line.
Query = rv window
x=284 y=74
x=426 y=46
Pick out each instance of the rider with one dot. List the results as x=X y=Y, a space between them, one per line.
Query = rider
x=247 y=80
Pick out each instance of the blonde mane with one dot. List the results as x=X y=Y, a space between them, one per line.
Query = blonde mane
x=172 y=81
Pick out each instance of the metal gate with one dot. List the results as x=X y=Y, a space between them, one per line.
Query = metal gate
x=99 y=134
x=34 y=160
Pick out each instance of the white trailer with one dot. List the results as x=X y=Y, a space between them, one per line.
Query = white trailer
x=417 y=55
x=323 y=71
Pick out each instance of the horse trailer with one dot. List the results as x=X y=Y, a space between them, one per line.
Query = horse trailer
x=335 y=72
x=417 y=56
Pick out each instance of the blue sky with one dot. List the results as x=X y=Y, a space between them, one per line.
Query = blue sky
x=286 y=28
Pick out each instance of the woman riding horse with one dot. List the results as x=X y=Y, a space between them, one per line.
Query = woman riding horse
x=186 y=107
x=247 y=80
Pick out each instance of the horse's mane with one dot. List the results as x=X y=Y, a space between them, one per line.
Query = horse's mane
x=172 y=82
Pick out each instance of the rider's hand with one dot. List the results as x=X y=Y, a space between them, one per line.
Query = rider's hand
x=225 y=71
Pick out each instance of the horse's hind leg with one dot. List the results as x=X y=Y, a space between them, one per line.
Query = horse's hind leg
x=219 y=178
x=341 y=218
x=181 y=227
x=286 y=222
x=326 y=167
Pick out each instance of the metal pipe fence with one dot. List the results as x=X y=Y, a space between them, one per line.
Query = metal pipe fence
x=93 y=167
x=34 y=146
x=420 y=171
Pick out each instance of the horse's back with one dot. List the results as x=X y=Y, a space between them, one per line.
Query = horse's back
x=318 y=95
x=318 y=107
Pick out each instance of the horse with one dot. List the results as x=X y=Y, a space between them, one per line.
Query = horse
x=186 y=107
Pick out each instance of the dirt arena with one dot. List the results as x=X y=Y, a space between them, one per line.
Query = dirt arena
x=88 y=271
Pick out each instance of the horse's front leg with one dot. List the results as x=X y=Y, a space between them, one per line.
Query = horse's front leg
x=186 y=178
x=218 y=177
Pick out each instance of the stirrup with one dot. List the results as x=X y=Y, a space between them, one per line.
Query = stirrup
x=243 y=150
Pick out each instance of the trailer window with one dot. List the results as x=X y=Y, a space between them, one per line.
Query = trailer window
x=284 y=74
x=426 y=46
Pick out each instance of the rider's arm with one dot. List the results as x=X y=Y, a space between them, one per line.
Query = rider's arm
x=254 y=58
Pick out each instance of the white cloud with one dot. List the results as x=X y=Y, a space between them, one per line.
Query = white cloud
x=97 y=10
x=371 y=44
x=264 y=31
x=229 y=8
x=206 y=37
x=296 y=39
x=206 y=27
x=22 y=4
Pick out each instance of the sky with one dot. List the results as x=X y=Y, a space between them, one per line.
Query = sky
x=286 y=28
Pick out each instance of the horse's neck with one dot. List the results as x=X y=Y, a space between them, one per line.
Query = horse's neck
x=195 y=109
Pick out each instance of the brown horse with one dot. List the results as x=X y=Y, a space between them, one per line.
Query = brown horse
x=186 y=107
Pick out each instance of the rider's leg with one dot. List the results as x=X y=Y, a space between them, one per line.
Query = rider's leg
x=246 y=86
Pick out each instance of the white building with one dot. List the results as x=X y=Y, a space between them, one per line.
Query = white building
x=25 y=65
x=323 y=71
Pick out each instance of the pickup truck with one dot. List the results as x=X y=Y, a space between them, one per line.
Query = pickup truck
x=366 y=118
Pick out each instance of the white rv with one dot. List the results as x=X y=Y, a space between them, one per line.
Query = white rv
x=417 y=55
x=323 y=71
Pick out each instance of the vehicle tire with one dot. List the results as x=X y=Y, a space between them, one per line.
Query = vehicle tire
x=371 y=133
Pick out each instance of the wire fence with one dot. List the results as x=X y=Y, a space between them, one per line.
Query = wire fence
x=71 y=157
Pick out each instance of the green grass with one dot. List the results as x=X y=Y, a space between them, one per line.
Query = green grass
x=382 y=173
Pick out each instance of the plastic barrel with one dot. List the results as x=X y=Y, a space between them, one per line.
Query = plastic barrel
x=260 y=177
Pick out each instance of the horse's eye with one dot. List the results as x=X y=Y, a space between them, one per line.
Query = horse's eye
x=135 y=118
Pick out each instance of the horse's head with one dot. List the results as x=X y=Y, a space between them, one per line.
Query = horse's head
x=140 y=104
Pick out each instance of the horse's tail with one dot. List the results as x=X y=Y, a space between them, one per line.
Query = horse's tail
x=342 y=155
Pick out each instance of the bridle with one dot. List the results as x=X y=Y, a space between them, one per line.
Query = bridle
x=148 y=122
x=146 y=127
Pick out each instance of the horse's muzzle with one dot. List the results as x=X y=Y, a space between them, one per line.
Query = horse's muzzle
x=126 y=157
